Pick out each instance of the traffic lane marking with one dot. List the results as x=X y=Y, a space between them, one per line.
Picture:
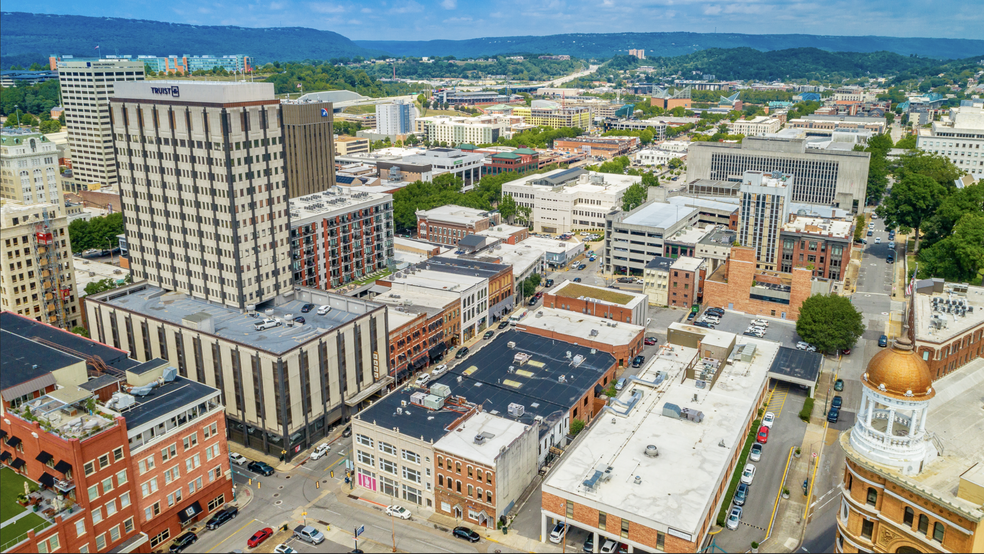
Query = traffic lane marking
x=234 y=533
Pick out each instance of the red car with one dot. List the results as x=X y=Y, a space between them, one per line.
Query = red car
x=259 y=537
x=763 y=435
x=650 y=341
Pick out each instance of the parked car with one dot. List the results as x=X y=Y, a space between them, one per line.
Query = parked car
x=741 y=494
x=259 y=536
x=309 y=534
x=846 y=352
x=716 y=311
x=763 y=435
x=625 y=279
x=877 y=240
x=347 y=432
x=870 y=232
x=262 y=468
x=755 y=454
x=890 y=260
x=283 y=549
x=638 y=361
x=836 y=402
x=422 y=379
x=182 y=542
x=608 y=547
x=768 y=419
x=620 y=384
x=704 y=324
x=582 y=266
x=265 y=324
x=577 y=279
x=504 y=324
x=650 y=341
x=488 y=335
x=802 y=345
x=439 y=370
x=398 y=511
x=548 y=283
x=299 y=319
x=891 y=243
x=238 y=458
x=588 y=545
x=691 y=315
x=324 y=310
x=466 y=533
x=222 y=516
x=748 y=474
x=883 y=340
x=559 y=532
x=734 y=518
x=760 y=322
x=307 y=308
x=320 y=451
x=839 y=385
x=461 y=353
x=591 y=259
x=832 y=415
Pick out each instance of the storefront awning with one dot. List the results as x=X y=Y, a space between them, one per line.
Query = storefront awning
x=3 y=434
x=47 y=480
x=5 y=456
x=437 y=351
x=18 y=463
x=13 y=441
x=63 y=467
x=419 y=362
x=190 y=512
x=44 y=457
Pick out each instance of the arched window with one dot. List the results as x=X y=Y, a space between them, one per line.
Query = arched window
x=872 y=496
x=938 y=531
x=923 y=524
x=908 y=517
x=440 y=480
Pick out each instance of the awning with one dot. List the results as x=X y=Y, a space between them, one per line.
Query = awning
x=437 y=351
x=47 y=480
x=63 y=467
x=44 y=457
x=5 y=456
x=190 y=512
x=3 y=434
x=13 y=441
x=419 y=363
x=37 y=384
x=372 y=389
x=18 y=463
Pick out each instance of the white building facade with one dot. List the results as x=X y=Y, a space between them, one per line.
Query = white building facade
x=396 y=118
x=567 y=199
x=961 y=139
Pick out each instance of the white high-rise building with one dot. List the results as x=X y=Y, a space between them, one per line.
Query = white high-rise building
x=763 y=209
x=86 y=88
x=396 y=118
x=29 y=168
x=961 y=138
x=202 y=177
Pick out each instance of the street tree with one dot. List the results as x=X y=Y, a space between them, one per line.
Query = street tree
x=935 y=166
x=634 y=197
x=830 y=322
x=913 y=200
x=952 y=209
x=959 y=256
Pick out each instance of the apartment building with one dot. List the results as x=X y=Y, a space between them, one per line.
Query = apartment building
x=449 y=224
x=648 y=446
x=37 y=270
x=396 y=118
x=948 y=325
x=656 y=280
x=458 y=130
x=339 y=236
x=684 y=280
x=87 y=87
x=564 y=200
x=606 y=147
x=655 y=125
x=184 y=146
x=823 y=245
x=309 y=147
x=617 y=305
x=464 y=165
x=913 y=478
x=282 y=388
x=961 y=139
x=422 y=328
x=655 y=156
x=180 y=65
x=29 y=168
x=350 y=146
x=765 y=206
x=823 y=176
x=754 y=127
x=470 y=291
x=544 y=113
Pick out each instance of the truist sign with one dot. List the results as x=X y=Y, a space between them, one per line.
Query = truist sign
x=171 y=91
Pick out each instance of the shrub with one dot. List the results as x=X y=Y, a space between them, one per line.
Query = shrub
x=576 y=427
x=736 y=476
x=807 y=410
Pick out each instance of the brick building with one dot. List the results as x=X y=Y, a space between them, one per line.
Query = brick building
x=686 y=277
x=501 y=160
x=606 y=147
x=449 y=224
x=619 y=305
x=738 y=285
x=822 y=245
x=509 y=234
x=623 y=342
x=948 y=325
x=407 y=342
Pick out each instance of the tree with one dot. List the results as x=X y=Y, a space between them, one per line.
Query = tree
x=830 y=322
x=908 y=142
x=576 y=427
x=960 y=256
x=507 y=208
x=675 y=163
x=634 y=197
x=82 y=331
x=99 y=232
x=913 y=200
x=959 y=203
x=935 y=166
x=102 y=285
x=51 y=126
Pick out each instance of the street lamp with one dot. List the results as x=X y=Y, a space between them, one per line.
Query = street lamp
x=563 y=539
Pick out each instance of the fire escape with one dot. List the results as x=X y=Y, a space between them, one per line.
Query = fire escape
x=54 y=291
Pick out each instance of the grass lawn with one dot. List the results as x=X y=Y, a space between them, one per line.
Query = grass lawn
x=21 y=527
x=11 y=484
x=360 y=109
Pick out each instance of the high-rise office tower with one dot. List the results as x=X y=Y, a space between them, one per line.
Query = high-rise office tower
x=86 y=88
x=204 y=193
x=396 y=118
x=763 y=209
x=309 y=148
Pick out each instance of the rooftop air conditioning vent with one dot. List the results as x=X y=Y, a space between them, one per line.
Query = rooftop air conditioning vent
x=652 y=451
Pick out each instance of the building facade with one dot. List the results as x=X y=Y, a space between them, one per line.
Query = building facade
x=739 y=285
x=555 y=116
x=29 y=168
x=961 y=139
x=949 y=325
x=396 y=118
x=822 y=245
x=87 y=87
x=458 y=130
x=449 y=224
x=764 y=201
x=309 y=147
x=466 y=166
x=202 y=164
x=565 y=200
x=179 y=65
x=348 y=146
x=606 y=147
x=685 y=278
x=656 y=280
x=339 y=236
x=630 y=307
x=754 y=127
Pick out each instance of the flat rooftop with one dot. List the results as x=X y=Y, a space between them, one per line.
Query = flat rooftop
x=337 y=200
x=678 y=487
x=501 y=231
x=234 y=325
x=165 y=399
x=485 y=377
x=820 y=226
x=659 y=215
x=956 y=419
x=429 y=425
x=499 y=433
x=576 y=324
x=687 y=263
x=432 y=279
x=798 y=364
x=413 y=300
x=720 y=236
x=24 y=360
x=453 y=214
x=571 y=289
x=691 y=235
x=552 y=245
x=945 y=321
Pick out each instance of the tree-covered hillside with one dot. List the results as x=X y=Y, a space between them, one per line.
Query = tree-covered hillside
x=531 y=68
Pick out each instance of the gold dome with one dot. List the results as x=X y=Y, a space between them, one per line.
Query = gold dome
x=900 y=373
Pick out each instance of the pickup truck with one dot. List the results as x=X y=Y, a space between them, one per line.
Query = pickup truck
x=308 y=534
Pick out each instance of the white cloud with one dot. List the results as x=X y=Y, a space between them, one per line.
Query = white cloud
x=454 y=20
x=276 y=6
x=325 y=7
x=410 y=6
x=449 y=4
x=366 y=10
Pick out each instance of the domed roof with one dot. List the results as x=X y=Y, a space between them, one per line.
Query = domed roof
x=900 y=373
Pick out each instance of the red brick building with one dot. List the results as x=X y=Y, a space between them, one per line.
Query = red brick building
x=598 y=301
x=738 y=285
x=686 y=277
x=606 y=147
x=521 y=160
x=449 y=224
x=822 y=245
x=946 y=348
x=407 y=342
x=623 y=342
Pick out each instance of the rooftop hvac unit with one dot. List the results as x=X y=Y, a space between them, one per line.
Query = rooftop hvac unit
x=516 y=410
x=520 y=358
x=399 y=411
x=539 y=314
x=169 y=374
x=652 y=451
x=593 y=333
x=578 y=360
x=418 y=398
x=479 y=439
x=638 y=479
x=692 y=414
x=123 y=401
x=441 y=390
x=433 y=402
x=561 y=378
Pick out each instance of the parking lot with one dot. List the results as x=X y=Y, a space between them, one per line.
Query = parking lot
x=781 y=331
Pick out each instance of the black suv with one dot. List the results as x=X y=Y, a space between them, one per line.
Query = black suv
x=461 y=353
x=262 y=468
x=714 y=311
x=221 y=517
x=182 y=542
x=488 y=335
x=466 y=533
x=638 y=361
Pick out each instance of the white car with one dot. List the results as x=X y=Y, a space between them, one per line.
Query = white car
x=748 y=474
x=877 y=240
x=321 y=450
x=398 y=511
x=802 y=345
x=734 y=518
x=769 y=419
x=284 y=549
x=760 y=322
x=422 y=378
x=265 y=324
x=439 y=370
x=559 y=532
x=324 y=310
x=608 y=547
x=874 y=215
x=238 y=458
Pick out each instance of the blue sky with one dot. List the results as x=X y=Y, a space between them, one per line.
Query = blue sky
x=458 y=19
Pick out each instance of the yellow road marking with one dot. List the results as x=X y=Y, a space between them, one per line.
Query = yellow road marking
x=230 y=536
x=336 y=463
x=782 y=484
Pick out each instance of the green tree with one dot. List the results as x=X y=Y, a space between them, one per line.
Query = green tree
x=858 y=228
x=959 y=203
x=529 y=289
x=99 y=232
x=675 y=163
x=507 y=208
x=960 y=256
x=908 y=142
x=913 y=200
x=576 y=427
x=830 y=322
x=50 y=126
x=81 y=331
x=633 y=197
x=935 y=166
x=102 y=285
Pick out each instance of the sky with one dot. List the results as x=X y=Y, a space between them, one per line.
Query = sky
x=462 y=19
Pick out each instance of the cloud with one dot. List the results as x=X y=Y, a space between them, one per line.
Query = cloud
x=410 y=6
x=366 y=10
x=325 y=7
x=454 y=20
x=277 y=6
x=449 y=4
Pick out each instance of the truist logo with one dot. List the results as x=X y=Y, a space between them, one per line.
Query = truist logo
x=173 y=91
